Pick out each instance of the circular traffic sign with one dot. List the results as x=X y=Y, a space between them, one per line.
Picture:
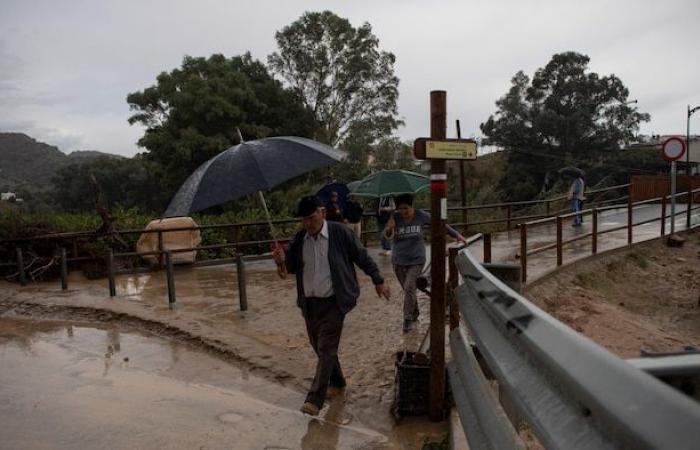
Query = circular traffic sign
x=673 y=148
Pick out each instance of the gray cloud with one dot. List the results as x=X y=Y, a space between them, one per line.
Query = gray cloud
x=65 y=70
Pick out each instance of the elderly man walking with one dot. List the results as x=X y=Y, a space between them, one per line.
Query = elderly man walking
x=322 y=257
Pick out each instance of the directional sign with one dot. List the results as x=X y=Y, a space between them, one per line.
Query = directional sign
x=426 y=148
x=673 y=149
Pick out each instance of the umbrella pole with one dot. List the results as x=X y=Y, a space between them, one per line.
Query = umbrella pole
x=267 y=215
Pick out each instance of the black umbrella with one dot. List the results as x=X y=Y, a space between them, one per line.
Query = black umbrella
x=249 y=167
x=574 y=172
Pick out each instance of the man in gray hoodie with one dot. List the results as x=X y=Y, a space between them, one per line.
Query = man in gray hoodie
x=323 y=257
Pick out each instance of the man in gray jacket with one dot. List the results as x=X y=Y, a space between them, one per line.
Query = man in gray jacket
x=323 y=257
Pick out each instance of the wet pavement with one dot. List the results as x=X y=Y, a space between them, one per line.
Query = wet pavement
x=68 y=385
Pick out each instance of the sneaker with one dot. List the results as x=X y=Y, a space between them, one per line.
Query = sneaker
x=407 y=325
x=310 y=409
x=386 y=252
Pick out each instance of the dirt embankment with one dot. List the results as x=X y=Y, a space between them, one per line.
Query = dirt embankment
x=642 y=298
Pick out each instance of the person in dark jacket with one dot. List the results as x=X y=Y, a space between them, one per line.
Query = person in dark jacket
x=334 y=212
x=353 y=215
x=323 y=256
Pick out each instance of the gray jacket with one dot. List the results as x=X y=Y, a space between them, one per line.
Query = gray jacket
x=344 y=251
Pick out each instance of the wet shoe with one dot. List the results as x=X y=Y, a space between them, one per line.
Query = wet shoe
x=337 y=384
x=310 y=409
x=407 y=325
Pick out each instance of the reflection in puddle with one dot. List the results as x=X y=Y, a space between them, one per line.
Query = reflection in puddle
x=72 y=386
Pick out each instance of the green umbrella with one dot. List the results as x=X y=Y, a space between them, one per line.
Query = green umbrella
x=391 y=182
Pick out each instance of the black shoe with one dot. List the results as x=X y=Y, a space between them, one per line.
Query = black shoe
x=340 y=384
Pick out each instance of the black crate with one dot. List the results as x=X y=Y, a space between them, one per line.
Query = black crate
x=411 y=384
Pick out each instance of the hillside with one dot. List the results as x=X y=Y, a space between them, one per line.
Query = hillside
x=26 y=164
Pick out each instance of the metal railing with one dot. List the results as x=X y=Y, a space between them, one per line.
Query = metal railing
x=572 y=393
x=596 y=232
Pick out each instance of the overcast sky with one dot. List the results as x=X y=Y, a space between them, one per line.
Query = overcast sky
x=67 y=66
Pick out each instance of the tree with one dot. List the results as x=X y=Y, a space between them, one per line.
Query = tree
x=566 y=115
x=191 y=113
x=125 y=182
x=340 y=74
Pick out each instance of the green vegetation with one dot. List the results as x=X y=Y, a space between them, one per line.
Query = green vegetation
x=564 y=116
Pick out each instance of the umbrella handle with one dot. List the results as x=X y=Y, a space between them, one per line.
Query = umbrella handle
x=267 y=216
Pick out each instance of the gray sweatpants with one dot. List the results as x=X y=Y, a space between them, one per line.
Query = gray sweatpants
x=407 y=276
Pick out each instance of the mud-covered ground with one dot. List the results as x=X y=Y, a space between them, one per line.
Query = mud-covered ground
x=642 y=298
x=268 y=340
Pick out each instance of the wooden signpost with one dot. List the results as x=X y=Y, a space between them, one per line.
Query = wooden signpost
x=438 y=149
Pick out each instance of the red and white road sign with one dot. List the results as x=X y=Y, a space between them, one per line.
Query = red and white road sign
x=673 y=148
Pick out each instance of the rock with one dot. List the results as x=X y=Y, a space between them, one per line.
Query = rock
x=675 y=241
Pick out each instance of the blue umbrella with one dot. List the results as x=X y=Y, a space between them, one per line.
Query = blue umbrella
x=341 y=188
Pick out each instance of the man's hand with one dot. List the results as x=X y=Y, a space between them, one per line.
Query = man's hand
x=383 y=291
x=278 y=256
x=390 y=228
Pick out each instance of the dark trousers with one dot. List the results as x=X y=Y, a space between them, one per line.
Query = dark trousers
x=324 y=325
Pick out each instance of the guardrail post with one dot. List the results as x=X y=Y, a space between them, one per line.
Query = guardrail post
x=594 y=232
x=452 y=283
x=170 y=277
x=523 y=252
x=160 y=248
x=487 y=247
x=363 y=231
x=547 y=208
x=508 y=215
x=630 y=218
x=75 y=247
x=20 y=268
x=64 y=270
x=560 y=259
x=110 y=271
x=663 y=215
x=240 y=272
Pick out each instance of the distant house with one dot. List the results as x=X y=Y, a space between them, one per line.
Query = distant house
x=655 y=141
x=8 y=197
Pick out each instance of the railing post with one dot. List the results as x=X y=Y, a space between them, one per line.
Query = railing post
x=75 y=247
x=110 y=271
x=64 y=270
x=171 y=278
x=560 y=259
x=690 y=203
x=594 y=232
x=508 y=215
x=20 y=268
x=363 y=234
x=523 y=252
x=630 y=218
x=663 y=215
x=160 y=248
x=240 y=271
x=487 y=247
x=465 y=219
x=547 y=207
x=452 y=283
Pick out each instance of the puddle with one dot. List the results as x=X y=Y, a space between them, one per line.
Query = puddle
x=75 y=386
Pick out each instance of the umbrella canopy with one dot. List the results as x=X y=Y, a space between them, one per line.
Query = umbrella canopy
x=249 y=167
x=341 y=188
x=391 y=182
x=573 y=172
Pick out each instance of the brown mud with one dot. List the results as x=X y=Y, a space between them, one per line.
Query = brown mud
x=646 y=297
x=267 y=341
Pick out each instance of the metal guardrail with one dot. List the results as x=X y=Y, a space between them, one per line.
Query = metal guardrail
x=573 y=393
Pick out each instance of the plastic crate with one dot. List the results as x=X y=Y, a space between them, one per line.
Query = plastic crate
x=411 y=385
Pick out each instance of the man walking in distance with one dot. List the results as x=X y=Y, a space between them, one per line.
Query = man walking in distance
x=322 y=256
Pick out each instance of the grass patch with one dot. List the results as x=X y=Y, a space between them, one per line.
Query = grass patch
x=640 y=259
x=593 y=280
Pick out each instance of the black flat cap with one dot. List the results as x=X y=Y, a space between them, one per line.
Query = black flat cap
x=307 y=205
